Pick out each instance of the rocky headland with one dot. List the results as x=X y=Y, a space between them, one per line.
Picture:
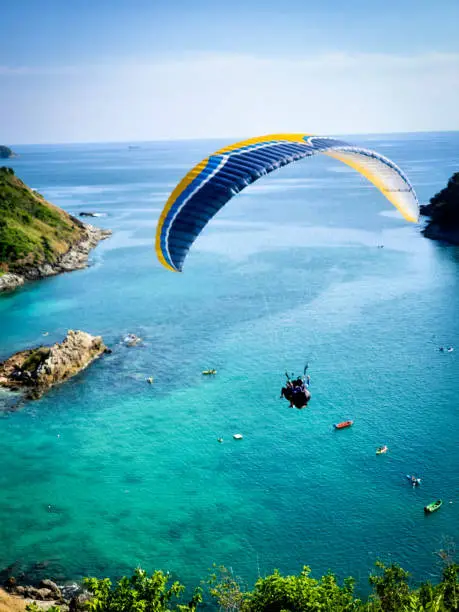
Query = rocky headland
x=34 y=371
x=38 y=239
x=443 y=211
x=6 y=152
x=76 y=258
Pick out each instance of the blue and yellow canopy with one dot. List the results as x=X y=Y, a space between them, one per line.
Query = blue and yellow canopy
x=217 y=178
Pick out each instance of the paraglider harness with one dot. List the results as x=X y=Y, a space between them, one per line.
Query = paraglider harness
x=296 y=390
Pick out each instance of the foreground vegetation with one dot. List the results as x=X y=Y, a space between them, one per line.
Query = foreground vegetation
x=32 y=231
x=391 y=592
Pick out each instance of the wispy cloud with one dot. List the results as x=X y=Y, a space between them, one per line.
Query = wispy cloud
x=205 y=60
x=37 y=70
x=205 y=95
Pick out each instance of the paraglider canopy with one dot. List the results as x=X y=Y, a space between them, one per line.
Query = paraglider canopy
x=206 y=188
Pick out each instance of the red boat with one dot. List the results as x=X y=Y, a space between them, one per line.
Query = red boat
x=343 y=424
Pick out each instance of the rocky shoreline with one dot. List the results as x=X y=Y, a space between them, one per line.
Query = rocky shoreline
x=46 y=594
x=435 y=231
x=76 y=258
x=443 y=213
x=35 y=371
x=20 y=586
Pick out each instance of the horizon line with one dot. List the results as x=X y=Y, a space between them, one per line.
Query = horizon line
x=206 y=138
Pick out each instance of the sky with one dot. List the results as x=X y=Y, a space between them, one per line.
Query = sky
x=132 y=70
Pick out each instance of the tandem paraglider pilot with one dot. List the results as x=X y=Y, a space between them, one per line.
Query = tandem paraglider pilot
x=296 y=391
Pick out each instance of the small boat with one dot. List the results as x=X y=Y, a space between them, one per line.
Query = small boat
x=381 y=449
x=131 y=340
x=238 y=436
x=433 y=506
x=414 y=481
x=343 y=424
x=209 y=372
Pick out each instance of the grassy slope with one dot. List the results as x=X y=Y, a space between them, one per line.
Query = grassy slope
x=11 y=604
x=32 y=231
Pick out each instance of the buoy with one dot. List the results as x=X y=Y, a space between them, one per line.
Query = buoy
x=150 y=380
x=220 y=440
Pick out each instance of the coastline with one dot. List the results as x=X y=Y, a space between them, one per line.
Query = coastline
x=443 y=213
x=435 y=231
x=76 y=258
x=47 y=593
x=137 y=437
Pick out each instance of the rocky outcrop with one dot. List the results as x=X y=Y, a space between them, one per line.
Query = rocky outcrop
x=37 y=594
x=16 y=597
x=10 y=281
x=51 y=586
x=34 y=371
x=76 y=258
x=443 y=211
x=436 y=231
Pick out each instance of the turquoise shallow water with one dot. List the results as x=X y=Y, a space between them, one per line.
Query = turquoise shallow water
x=107 y=472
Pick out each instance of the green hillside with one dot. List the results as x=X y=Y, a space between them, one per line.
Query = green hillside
x=32 y=231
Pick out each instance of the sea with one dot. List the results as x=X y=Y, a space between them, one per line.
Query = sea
x=309 y=266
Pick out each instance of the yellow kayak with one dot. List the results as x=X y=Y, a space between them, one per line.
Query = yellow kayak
x=209 y=372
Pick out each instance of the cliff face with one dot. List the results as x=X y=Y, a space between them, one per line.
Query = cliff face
x=38 y=239
x=443 y=211
x=34 y=371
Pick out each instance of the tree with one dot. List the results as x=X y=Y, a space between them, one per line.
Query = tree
x=301 y=593
x=449 y=587
x=392 y=589
x=226 y=589
x=139 y=593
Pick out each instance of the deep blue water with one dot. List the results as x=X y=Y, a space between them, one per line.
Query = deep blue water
x=107 y=472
